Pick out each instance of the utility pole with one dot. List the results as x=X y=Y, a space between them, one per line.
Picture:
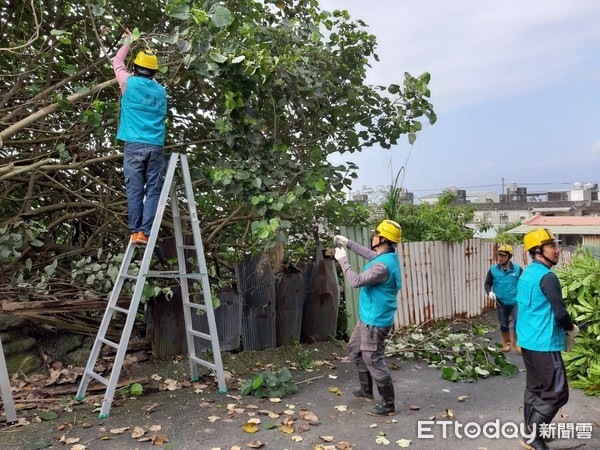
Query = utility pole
x=502 y=185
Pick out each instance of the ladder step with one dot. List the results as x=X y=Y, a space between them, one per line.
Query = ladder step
x=128 y=276
x=195 y=305
x=119 y=309
x=192 y=275
x=187 y=247
x=97 y=377
x=203 y=362
x=109 y=343
x=200 y=334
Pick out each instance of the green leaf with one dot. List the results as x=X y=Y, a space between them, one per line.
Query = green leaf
x=184 y=46
x=217 y=57
x=136 y=389
x=47 y=415
x=220 y=16
x=179 y=11
x=238 y=59
x=449 y=373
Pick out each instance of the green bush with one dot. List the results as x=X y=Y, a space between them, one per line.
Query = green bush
x=580 y=281
x=269 y=384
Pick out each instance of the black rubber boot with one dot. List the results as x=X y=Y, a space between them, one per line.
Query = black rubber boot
x=387 y=406
x=535 y=420
x=366 y=386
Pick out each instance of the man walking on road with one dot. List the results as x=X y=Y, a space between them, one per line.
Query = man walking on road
x=543 y=327
x=379 y=283
x=501 y=287
x=142 y=128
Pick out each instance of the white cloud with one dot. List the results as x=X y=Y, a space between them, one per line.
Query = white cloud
x=478 y=50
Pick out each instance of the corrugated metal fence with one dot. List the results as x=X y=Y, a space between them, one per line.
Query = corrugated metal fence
x=439 y=279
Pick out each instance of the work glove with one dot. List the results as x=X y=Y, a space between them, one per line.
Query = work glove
x=492 y=296
x=340 y=241
x=339 y=253
x=574 y=331
x=570 y=340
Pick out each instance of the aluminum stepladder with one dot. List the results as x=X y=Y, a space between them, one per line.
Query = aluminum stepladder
x=169 y=190
x=7 y=398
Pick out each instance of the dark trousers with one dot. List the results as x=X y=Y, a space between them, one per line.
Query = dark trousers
x=547 y=388
x=366 y=348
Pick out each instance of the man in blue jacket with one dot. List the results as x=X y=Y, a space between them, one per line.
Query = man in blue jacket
x=379 y=283
x=501 y=287
x=543 y=323
x=142 y=128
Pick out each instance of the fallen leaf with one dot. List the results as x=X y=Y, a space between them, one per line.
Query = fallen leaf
x=373 y=425
x=137 y=432
x=343 y=445
x=403 y=442
x=289 y=412
x=78 y=447
x=341 y=408
x=326 y=438
x=414 y=407
x=159 y=439
x=254 y=420
x=302 y=427
x=212 y=419
x=250 y=428
x=448 y=414
x=156 y=377
x=254 y=444
x=382 y=440
x=155 y=428
x=119 y=430
x=462 y=398
x=297 y=438
x=333 y=377
x=47 y=415
x=70 y=441
x=335 y=390
x=286 y=429
x=275 y=400
x=309 y=416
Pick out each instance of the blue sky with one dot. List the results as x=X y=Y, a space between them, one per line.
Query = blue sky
x=515 y=85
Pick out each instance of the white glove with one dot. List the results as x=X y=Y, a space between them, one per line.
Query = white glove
x=570 y=342
x=340 y=241
x=339 y=253
x=574 y=332
x=492 y=296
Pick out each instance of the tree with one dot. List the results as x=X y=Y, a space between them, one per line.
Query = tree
x=444 y=221
x=260 y=94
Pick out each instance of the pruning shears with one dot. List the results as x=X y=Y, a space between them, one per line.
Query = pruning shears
x=587 y=323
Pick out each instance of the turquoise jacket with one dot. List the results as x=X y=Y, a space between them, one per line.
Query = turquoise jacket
x=536 y=328
x=143 y=112
x=505 y=283
x=377 y=302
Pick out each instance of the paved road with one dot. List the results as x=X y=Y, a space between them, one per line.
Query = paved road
x=186 y=416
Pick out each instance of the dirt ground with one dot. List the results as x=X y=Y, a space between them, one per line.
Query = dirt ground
x=322 y=415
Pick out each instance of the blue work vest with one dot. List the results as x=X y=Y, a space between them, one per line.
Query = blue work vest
x=377 y=302
x=536 y=328
x=143 y=111
x=505 y=283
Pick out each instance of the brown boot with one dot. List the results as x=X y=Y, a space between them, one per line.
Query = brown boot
x=517 y=348
x=506 y=337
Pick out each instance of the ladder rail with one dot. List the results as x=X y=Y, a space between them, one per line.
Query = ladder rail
x=210 y=313
x=168 y=191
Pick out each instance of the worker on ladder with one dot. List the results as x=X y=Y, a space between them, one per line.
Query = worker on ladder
x=142 y=128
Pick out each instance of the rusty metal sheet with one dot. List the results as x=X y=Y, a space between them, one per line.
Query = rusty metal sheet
x=319 y=321
x=291 y=294
x=228 y=317
x=256 y=286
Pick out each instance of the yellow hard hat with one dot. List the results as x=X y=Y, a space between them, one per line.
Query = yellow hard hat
x=536 y=238
x=390 y=230
x=505 y=248
x=146 y=59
